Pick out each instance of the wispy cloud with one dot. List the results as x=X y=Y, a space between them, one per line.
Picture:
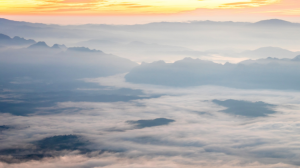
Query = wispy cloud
x=252 y=3
x=123 y=6
x=128 y=5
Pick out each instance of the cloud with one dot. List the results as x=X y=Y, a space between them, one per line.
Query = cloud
x=129 y=5
x=193 y=139
x=4 y=127
x=122 y=7
x=41 y=101
x=67 y=6
x=47 y=147
x=72 y=1
x=252 y=3
x=113 y=161
x=80 y=1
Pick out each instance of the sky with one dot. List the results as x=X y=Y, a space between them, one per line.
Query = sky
x=145 y=11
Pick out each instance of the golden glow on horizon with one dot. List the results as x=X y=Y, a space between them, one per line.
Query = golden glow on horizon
x=120 y=7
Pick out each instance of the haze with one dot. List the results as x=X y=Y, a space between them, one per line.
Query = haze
x=148 y=84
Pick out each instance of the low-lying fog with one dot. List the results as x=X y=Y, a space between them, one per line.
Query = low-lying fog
x=195 y=94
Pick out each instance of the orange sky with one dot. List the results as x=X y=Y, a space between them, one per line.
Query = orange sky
x=121 y=7
x=138 y=11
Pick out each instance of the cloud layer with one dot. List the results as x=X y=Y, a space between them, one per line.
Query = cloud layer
x=200 y=134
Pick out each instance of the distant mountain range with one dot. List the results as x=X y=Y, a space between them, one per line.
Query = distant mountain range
x=45 y=30
x=265 y=52
x=207 y=22
x=6 y=40
x=43 y=45
x=275 y=22
x=140 y=51
x=42 y=62
x=269 y=73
